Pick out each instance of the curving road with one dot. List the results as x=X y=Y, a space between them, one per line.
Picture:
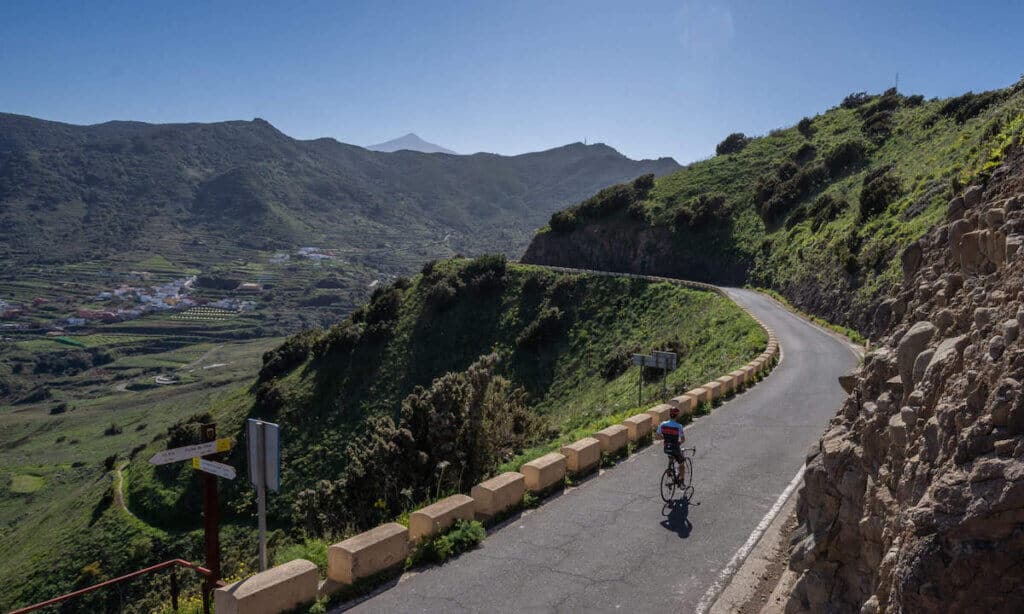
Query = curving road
x=612 y=545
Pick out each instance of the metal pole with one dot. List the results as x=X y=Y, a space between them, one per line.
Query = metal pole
x=261 y=491
x=211 y=521
x=174 y=589
x=640 y=387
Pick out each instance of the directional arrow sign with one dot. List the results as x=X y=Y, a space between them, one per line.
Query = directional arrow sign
x=218 y=469
x=186 y=452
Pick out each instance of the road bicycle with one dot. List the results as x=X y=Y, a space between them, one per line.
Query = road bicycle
x=670 y=478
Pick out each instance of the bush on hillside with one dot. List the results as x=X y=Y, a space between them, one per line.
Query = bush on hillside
x=339 y=340
x=825 y=209
x=484 y=273
x=733 y=143
x=779 y=192
x=290 y=354
x=545 y=328
x=562 y=221
x=806 y=127
x=856 y=100
x=606 y=202
x=643 y=184
x=804 y=154
x=702 y=211
x=880 y=188
x=845 y=156
x=384 y=306
x=969 y=105
x=618 y=362
x=449 y=436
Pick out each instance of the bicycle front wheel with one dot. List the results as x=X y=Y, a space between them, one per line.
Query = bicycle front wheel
x=687 y=467
x=668 y=485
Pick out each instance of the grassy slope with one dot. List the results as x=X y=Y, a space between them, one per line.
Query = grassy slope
x=64 y=524
x=326 y=400
x=840 y=267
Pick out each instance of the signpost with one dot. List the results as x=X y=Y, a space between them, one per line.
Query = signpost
x=211 y=508
x=666 y=361
x=263 y=442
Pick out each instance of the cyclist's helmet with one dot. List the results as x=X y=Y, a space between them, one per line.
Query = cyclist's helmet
x=673 y=412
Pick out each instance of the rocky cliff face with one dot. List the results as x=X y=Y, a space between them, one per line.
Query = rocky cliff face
x=914 y=497
x=628 y=246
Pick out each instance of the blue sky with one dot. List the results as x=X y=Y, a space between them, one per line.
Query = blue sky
x=649 y=78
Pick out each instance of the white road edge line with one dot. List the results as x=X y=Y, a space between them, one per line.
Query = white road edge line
x=716 y=588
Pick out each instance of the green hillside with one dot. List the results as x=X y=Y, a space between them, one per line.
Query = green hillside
x=480 y=362
x=819 y=211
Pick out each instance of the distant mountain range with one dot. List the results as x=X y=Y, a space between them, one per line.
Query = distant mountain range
x=199 y=193
x=412 y=142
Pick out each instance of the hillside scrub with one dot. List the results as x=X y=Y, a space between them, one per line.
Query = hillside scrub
x=405 y=399
x=819 y=212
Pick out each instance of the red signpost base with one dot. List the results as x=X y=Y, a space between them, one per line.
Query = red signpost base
x=211 y=522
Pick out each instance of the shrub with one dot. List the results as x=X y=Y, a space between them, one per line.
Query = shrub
x=485 y=273
x=855 y=100
x=845 y=156
x=825 y=209
x=113 y=429
x=963 y=108
x=384 y=306
x=606 y=202
x=914 y=101
x=880 y=188
x=462 y=537
x=733 y=143
x=617 y=363
x=805 y=154
x=544 y=329
x=288 y=355
x=563 y=221
x=703 y=210
x=441 y=295
x=806 y=127
x=340 y=339
x=643 y=184
x=58 y=409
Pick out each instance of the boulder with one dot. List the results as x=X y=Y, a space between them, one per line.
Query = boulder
x=972 y=196
x=910 y=346
x=955 y=208
x=911 y=260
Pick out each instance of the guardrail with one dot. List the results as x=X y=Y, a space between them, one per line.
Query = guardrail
x=173 y=563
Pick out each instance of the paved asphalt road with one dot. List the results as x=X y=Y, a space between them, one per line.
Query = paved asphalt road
x=612 y=545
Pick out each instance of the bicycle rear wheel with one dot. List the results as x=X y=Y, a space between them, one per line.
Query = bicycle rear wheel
x=668 y=485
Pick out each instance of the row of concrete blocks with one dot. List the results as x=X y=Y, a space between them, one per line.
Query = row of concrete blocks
x=292 y=584
x=387 y=546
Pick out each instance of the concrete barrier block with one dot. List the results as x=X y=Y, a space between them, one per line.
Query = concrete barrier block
x=278 y=589
x=659 y=413
x=613 y=438
x=748 y=374
x=685 y=402
x=369 y=552
x=727 y=384
x=738 y=377
x=437 y=517
x=714 y=389
x=498 y=494
x=639 y=426
x=582 y=455
x=544 y=472
x=700 y=394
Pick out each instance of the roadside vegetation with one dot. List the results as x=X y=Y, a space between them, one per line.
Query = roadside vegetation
x=818 y=211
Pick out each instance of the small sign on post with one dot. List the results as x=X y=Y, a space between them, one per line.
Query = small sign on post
x=263 y=442
x=218 y=469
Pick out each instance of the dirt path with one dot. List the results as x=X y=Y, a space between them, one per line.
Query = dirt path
x=119 y=489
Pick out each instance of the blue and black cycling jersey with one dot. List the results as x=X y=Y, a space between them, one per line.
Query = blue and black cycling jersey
x=671 y=432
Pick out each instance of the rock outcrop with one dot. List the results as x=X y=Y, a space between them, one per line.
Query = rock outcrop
x=914 y=497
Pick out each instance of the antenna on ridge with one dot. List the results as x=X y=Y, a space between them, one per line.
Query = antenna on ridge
x=897 y=86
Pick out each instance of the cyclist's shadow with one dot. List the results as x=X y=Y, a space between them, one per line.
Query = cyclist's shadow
x=677 y=516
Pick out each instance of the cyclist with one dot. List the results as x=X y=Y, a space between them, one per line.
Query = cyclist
x=671 y=432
